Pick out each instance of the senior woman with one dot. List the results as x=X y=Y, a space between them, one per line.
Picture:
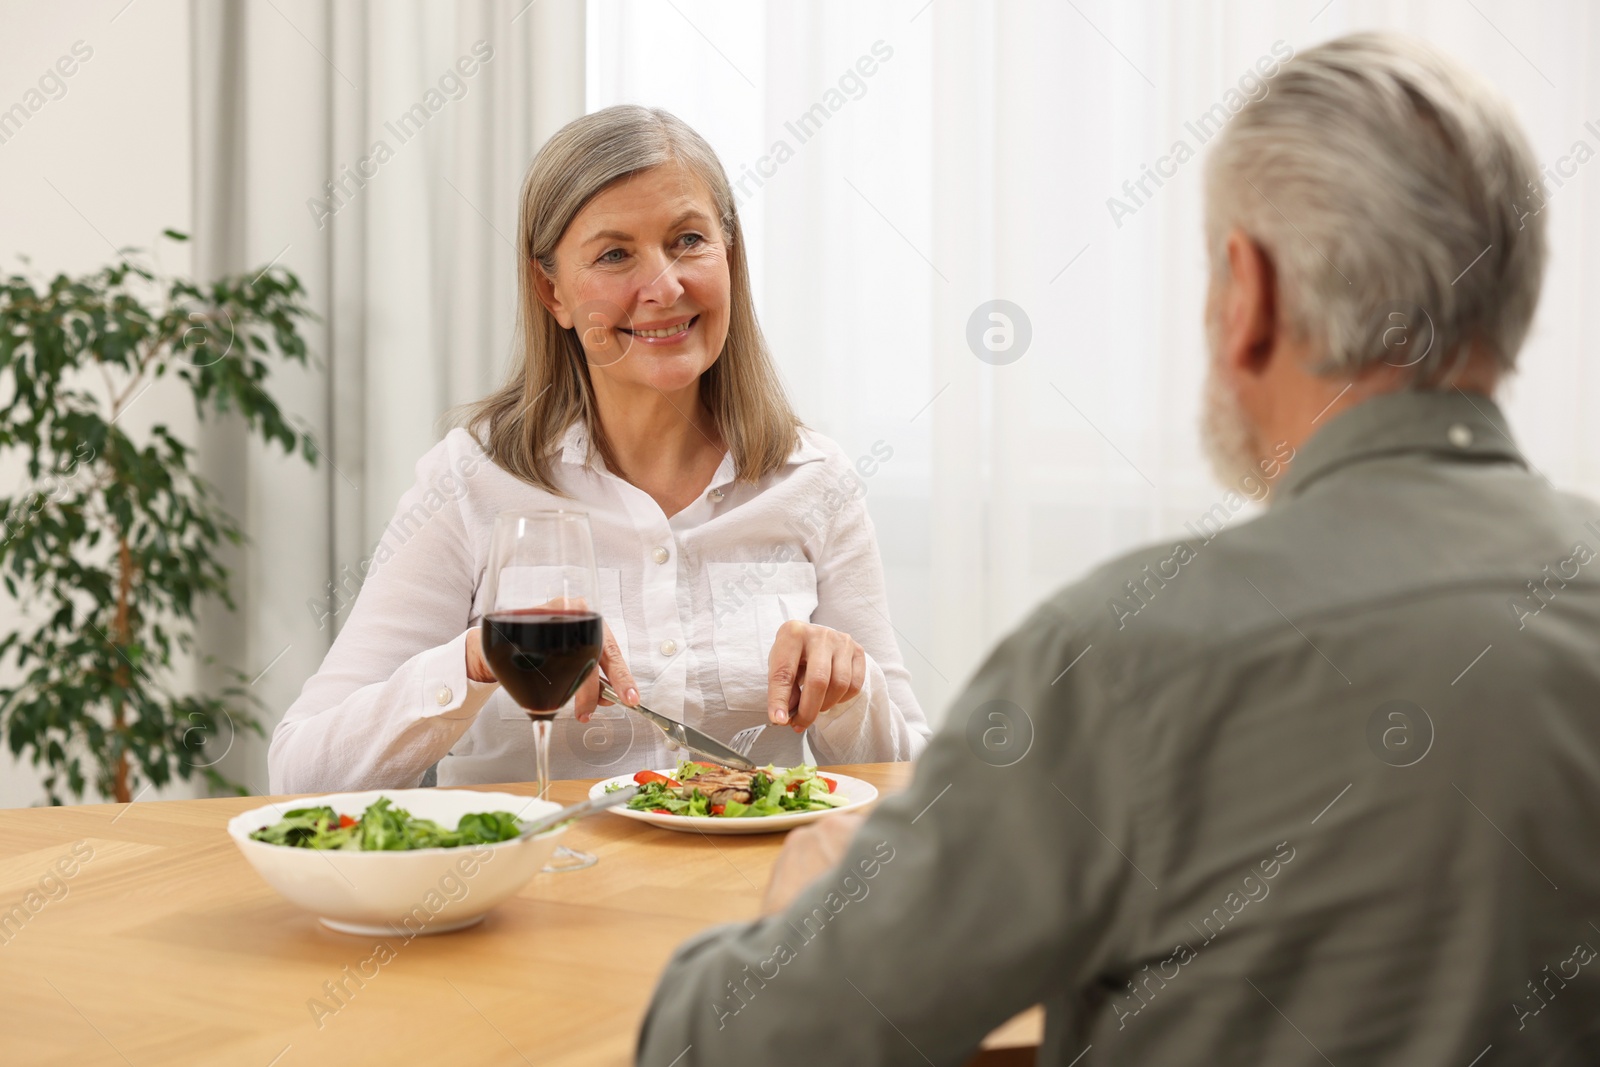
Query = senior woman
x=739 y=572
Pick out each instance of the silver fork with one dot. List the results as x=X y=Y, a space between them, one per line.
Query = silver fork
x=745 y=740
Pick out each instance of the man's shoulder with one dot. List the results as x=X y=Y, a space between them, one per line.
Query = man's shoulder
x=1144 y=586
x=1168 y=604
x=1350 y=547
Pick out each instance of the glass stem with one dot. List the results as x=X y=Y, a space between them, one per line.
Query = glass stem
x=541 y=755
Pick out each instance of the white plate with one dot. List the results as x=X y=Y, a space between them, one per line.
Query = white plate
x=854 y=790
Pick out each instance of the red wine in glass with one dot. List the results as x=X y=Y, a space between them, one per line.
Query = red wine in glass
x=541 y=632
x=542 y=655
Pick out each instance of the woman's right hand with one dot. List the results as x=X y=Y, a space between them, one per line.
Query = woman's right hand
x=616 y=672
x=588 y=695
x=477 y=667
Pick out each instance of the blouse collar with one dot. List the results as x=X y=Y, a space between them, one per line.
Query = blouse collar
x=575 y=450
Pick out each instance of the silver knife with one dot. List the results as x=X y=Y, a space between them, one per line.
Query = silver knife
x=696 y=741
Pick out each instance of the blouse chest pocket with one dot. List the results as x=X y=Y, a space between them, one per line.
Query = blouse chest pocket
x=750 y=601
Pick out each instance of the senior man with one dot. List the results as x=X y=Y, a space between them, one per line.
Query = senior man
x=1321 y=788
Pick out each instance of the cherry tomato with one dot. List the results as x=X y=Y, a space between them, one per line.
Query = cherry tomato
x=832 y=785
x=661 y=811
x=718 y=809
x=646 y=777
x=345 y=822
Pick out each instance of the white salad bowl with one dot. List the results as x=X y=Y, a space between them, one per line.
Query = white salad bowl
x=400 y=893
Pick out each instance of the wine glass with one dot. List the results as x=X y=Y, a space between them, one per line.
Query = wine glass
x=541 y=630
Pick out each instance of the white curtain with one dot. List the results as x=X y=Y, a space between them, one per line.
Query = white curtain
x=424 y=116
x=975 y=163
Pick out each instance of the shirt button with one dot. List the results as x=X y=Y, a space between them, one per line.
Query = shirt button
x=669 y=648
x=660 y=555
x=443 y=696
x=1460 y=435
x=715 y=495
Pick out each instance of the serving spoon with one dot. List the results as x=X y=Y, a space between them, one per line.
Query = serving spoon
x=578 y=811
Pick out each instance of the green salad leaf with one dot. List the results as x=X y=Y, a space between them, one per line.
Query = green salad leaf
x=385 y=828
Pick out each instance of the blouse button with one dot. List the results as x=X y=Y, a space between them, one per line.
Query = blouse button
x=1460 y=435
x=660 y=555
x=669 y=648
x=443 y=696
x=715 y=495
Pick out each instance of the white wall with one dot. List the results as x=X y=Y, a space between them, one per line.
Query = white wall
x=105 y=165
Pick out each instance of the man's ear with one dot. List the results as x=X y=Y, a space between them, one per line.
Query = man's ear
x=1250 y=306
x=545 y=287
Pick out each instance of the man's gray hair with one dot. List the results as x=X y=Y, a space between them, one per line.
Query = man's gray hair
x=1398 y=199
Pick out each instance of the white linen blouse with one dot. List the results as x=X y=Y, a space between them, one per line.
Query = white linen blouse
x=694 y=601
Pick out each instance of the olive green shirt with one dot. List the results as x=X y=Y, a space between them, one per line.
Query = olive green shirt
x=1321 y=786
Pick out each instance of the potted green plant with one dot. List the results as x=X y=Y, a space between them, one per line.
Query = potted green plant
x=113 y=542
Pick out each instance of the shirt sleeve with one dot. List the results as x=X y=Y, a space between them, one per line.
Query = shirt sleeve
x=1001 y=878
x=882 y=723
x=392 y=695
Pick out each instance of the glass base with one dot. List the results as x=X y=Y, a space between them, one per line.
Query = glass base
x=569 y=859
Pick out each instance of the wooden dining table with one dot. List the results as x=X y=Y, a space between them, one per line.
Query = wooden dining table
x=163 y=946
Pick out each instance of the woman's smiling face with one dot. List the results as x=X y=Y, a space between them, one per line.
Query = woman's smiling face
x=642 y=275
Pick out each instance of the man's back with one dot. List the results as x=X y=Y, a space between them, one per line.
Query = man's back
x=1322 y=788
x=1387 y=690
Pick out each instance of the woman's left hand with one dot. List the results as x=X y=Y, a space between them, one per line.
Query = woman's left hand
x=811 y=669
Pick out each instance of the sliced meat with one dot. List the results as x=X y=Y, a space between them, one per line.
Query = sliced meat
x=723 y=785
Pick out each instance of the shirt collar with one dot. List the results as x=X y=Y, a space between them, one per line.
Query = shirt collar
x=1451 y=425
x=575 y=444
x=575 y=450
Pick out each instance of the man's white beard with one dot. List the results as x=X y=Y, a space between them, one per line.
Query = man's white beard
x=1226 y=433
